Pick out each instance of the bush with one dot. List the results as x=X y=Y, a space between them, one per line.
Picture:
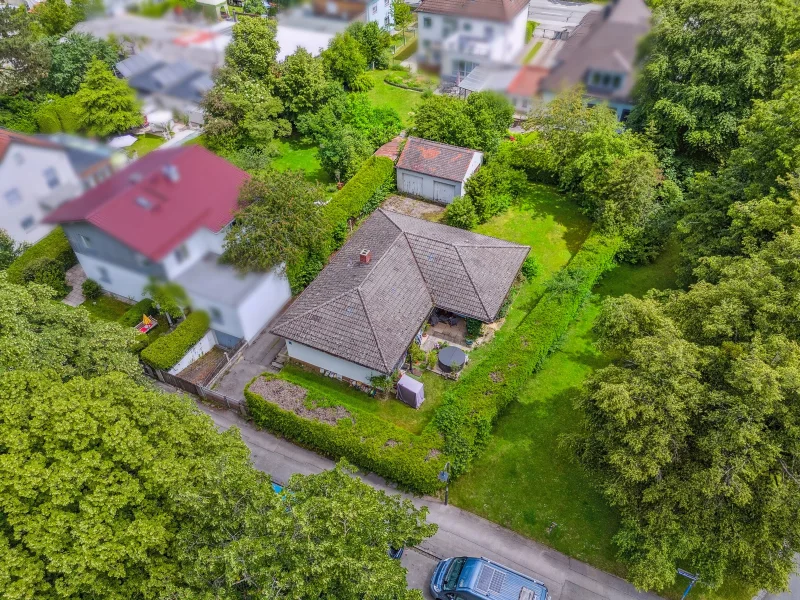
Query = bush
x=168 y=350
x=133 y=316
x=469 y=409
x=531 y=267
x=413 y=461
x=46 y=271
x=474 y=327
x=54 y=245
x=530 y=27
x=461 y=213
x=91 y=289
x=362 y=83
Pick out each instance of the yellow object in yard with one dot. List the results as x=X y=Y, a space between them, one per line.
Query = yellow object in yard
x=146 y=320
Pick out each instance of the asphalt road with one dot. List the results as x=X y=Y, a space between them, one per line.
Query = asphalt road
x=460 y=533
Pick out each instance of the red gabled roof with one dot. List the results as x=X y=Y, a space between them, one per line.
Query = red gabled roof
x=142 y=208
x=437 y=159
x=7 y=137
x=526 y=83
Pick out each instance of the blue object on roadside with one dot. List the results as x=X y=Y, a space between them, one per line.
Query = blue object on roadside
x=277 y=488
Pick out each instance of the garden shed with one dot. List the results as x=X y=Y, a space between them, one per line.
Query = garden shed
x=410 y=391
x=435 y=171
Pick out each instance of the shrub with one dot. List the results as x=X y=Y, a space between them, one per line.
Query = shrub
x=461 y=213
x=469 y=408
x=417 y=354
x=474 y=327
x=352 y=200
x=54 y=245
x=91 y=289
x=362 y=83
x=133 y=316
x=530 y=27
x=413 y=461
x=46 y=271
x=531 y=267
x=168 y=350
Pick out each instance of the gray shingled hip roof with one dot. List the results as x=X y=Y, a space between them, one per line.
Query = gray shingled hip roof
x=369 y=313
x=436 y=159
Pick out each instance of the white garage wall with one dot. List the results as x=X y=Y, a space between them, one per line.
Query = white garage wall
x=199 y=349
x=427 y=184
x=264 y=303
x=326 y=361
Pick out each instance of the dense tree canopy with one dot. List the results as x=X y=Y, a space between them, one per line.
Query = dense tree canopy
x=9 y=249
x=24 y=56
x=303 y=85
x=105 y=104
x=704 y=61
x=71 y=57
x=279 y=221
x=343 y=59
x=478 y=122
x=374 y=42
x=55 y=17
x=38 y=333
x=253 y=51
x=111 y=490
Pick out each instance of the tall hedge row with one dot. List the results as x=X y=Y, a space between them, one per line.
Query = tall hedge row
x=169 y=349
x=54 y=246
x=413 y=461
x=470 y=408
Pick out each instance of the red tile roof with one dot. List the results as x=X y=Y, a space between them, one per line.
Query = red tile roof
x=142 y=208
x=391 y=148
x=526 y=82
x=496 y=10
x=7 y=137
x=436 y=159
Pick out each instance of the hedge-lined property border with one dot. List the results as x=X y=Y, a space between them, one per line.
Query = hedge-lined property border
x=169 y=349
x=352 y=201
x=413 y=461
x=470 y=408
x=54 y=245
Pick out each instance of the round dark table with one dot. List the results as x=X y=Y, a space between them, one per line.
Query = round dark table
x=451 y=356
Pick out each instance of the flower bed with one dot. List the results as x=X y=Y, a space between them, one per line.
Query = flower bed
x=410 y=81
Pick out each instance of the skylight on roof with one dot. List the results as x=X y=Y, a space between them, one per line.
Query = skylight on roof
x=144 y=203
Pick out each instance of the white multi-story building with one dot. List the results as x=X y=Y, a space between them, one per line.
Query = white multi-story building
x=456 y=37
x=39 y=173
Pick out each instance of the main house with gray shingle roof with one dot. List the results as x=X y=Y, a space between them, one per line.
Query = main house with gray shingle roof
x=435 y=171
x=359 y=316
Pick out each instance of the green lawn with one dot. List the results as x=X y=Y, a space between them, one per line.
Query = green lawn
x=295 y=153
x=145 y=143
x=532 y=52
x=524 y=480
x=383 y=94
x=106 y=308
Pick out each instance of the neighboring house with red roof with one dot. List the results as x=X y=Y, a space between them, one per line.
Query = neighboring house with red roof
x=520 y=84
x=165 y=216
x=435 y=171
x=38 y=173
x=455 y=36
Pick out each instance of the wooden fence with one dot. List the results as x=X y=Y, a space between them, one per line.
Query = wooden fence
x=198 y=390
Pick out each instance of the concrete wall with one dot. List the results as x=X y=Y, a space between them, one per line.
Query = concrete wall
x=325 y=361
x=22 y=169
x=429 y=182
x=264 y=303
x=199 y=349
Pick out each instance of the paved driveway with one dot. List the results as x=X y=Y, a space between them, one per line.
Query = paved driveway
x=460 y=533
x=256 y=358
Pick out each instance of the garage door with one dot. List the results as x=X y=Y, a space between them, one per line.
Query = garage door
x=443 y=192
x=412 y=184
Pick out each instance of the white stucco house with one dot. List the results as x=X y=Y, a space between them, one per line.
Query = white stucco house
x=435 y=171
x=358 y=317
x=39 y=173
x=456 y=37
x=165 y=216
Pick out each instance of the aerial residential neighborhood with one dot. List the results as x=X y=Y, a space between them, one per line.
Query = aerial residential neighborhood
x=399 y=299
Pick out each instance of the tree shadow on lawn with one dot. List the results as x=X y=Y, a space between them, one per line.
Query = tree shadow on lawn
x=545 y=200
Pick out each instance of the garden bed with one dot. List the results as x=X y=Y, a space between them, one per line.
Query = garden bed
x=292 y=397
x=411 y=81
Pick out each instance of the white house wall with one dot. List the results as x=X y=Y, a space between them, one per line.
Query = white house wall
x=378 y=11
x=229 y=322
x=327 y=362
x=198 y=245
x=22 y=169
x=205 y=344
x=264 y=303
x=122 y=282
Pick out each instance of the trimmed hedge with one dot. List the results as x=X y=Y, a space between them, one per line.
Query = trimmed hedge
x=133 y=316
x=470 y=408
x=169 y=349
x=54 y=245
x=365 y=440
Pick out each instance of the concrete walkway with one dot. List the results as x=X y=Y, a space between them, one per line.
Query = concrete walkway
x=256 y=358
x=75 y=278
x=460 y=533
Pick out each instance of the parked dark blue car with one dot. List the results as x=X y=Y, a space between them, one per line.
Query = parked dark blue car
x=466 y=578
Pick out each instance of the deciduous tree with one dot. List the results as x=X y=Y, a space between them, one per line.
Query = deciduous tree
x=303 y=85
x=55 y=17
x=71 y=57
x=402 y=15
x=279 y=221
x=9 y=249
x=24 y=56
x=253 y=51
x=105 y=104
x=373 y=41
x=343 y=59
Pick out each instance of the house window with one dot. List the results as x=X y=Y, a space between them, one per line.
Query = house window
x=374 y=9
x=489 y=32
x=182 y=253
x=216 y=315
x=13 y=197
x=51 y=177
x=19 y=158
x=462 y=68
x=27 y=223
x=386 y=2
x=426 y=22
x=87 y=242
x=467 y=26
x=426 y=43
x=525 y=103
x=387 y=21
x=104 y=275
x=142 y=260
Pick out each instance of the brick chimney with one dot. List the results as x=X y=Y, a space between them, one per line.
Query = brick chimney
x=365 y=257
